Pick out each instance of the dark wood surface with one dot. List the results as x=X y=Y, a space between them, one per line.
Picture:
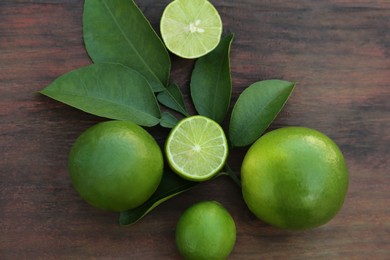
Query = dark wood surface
x=337 y=51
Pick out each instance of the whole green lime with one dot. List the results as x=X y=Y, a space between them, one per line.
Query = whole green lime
x=206 y=230
x=294 y=178
x=115 y=165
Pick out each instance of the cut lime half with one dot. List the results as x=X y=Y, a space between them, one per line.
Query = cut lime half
x=197 y=148
x=191 y=28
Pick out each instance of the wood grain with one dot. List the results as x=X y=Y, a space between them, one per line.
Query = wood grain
x=337 y=51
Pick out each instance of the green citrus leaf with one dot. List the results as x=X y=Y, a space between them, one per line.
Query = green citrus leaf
x=116 y=31
x=211 y=84
x=170 y=186
x=107 y=90
x=173 y=98
x=256 y=108
x=168 y=120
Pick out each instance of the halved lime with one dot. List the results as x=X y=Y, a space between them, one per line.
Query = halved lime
x=197 y=148
x=191 y=28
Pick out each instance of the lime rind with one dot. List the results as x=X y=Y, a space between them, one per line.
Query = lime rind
x=191 y=28
x=197 y=148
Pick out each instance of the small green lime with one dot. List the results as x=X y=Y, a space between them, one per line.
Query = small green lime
x=115 y=165
x=294 y=178
x=206 y=230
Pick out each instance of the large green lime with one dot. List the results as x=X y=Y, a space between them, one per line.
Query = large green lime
x=294 y=178
x=115 y=165
x=206 y=230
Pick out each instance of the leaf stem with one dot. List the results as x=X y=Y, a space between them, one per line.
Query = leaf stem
x=230 y=173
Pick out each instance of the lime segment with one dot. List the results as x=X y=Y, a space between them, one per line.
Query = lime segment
x=191 y=28
x=197 y=148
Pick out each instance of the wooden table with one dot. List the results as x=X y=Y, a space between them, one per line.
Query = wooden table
x=337 y=51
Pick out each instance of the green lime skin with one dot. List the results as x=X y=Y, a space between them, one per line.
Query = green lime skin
x=294 y=178
x=206 y=230
x=115 y=165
